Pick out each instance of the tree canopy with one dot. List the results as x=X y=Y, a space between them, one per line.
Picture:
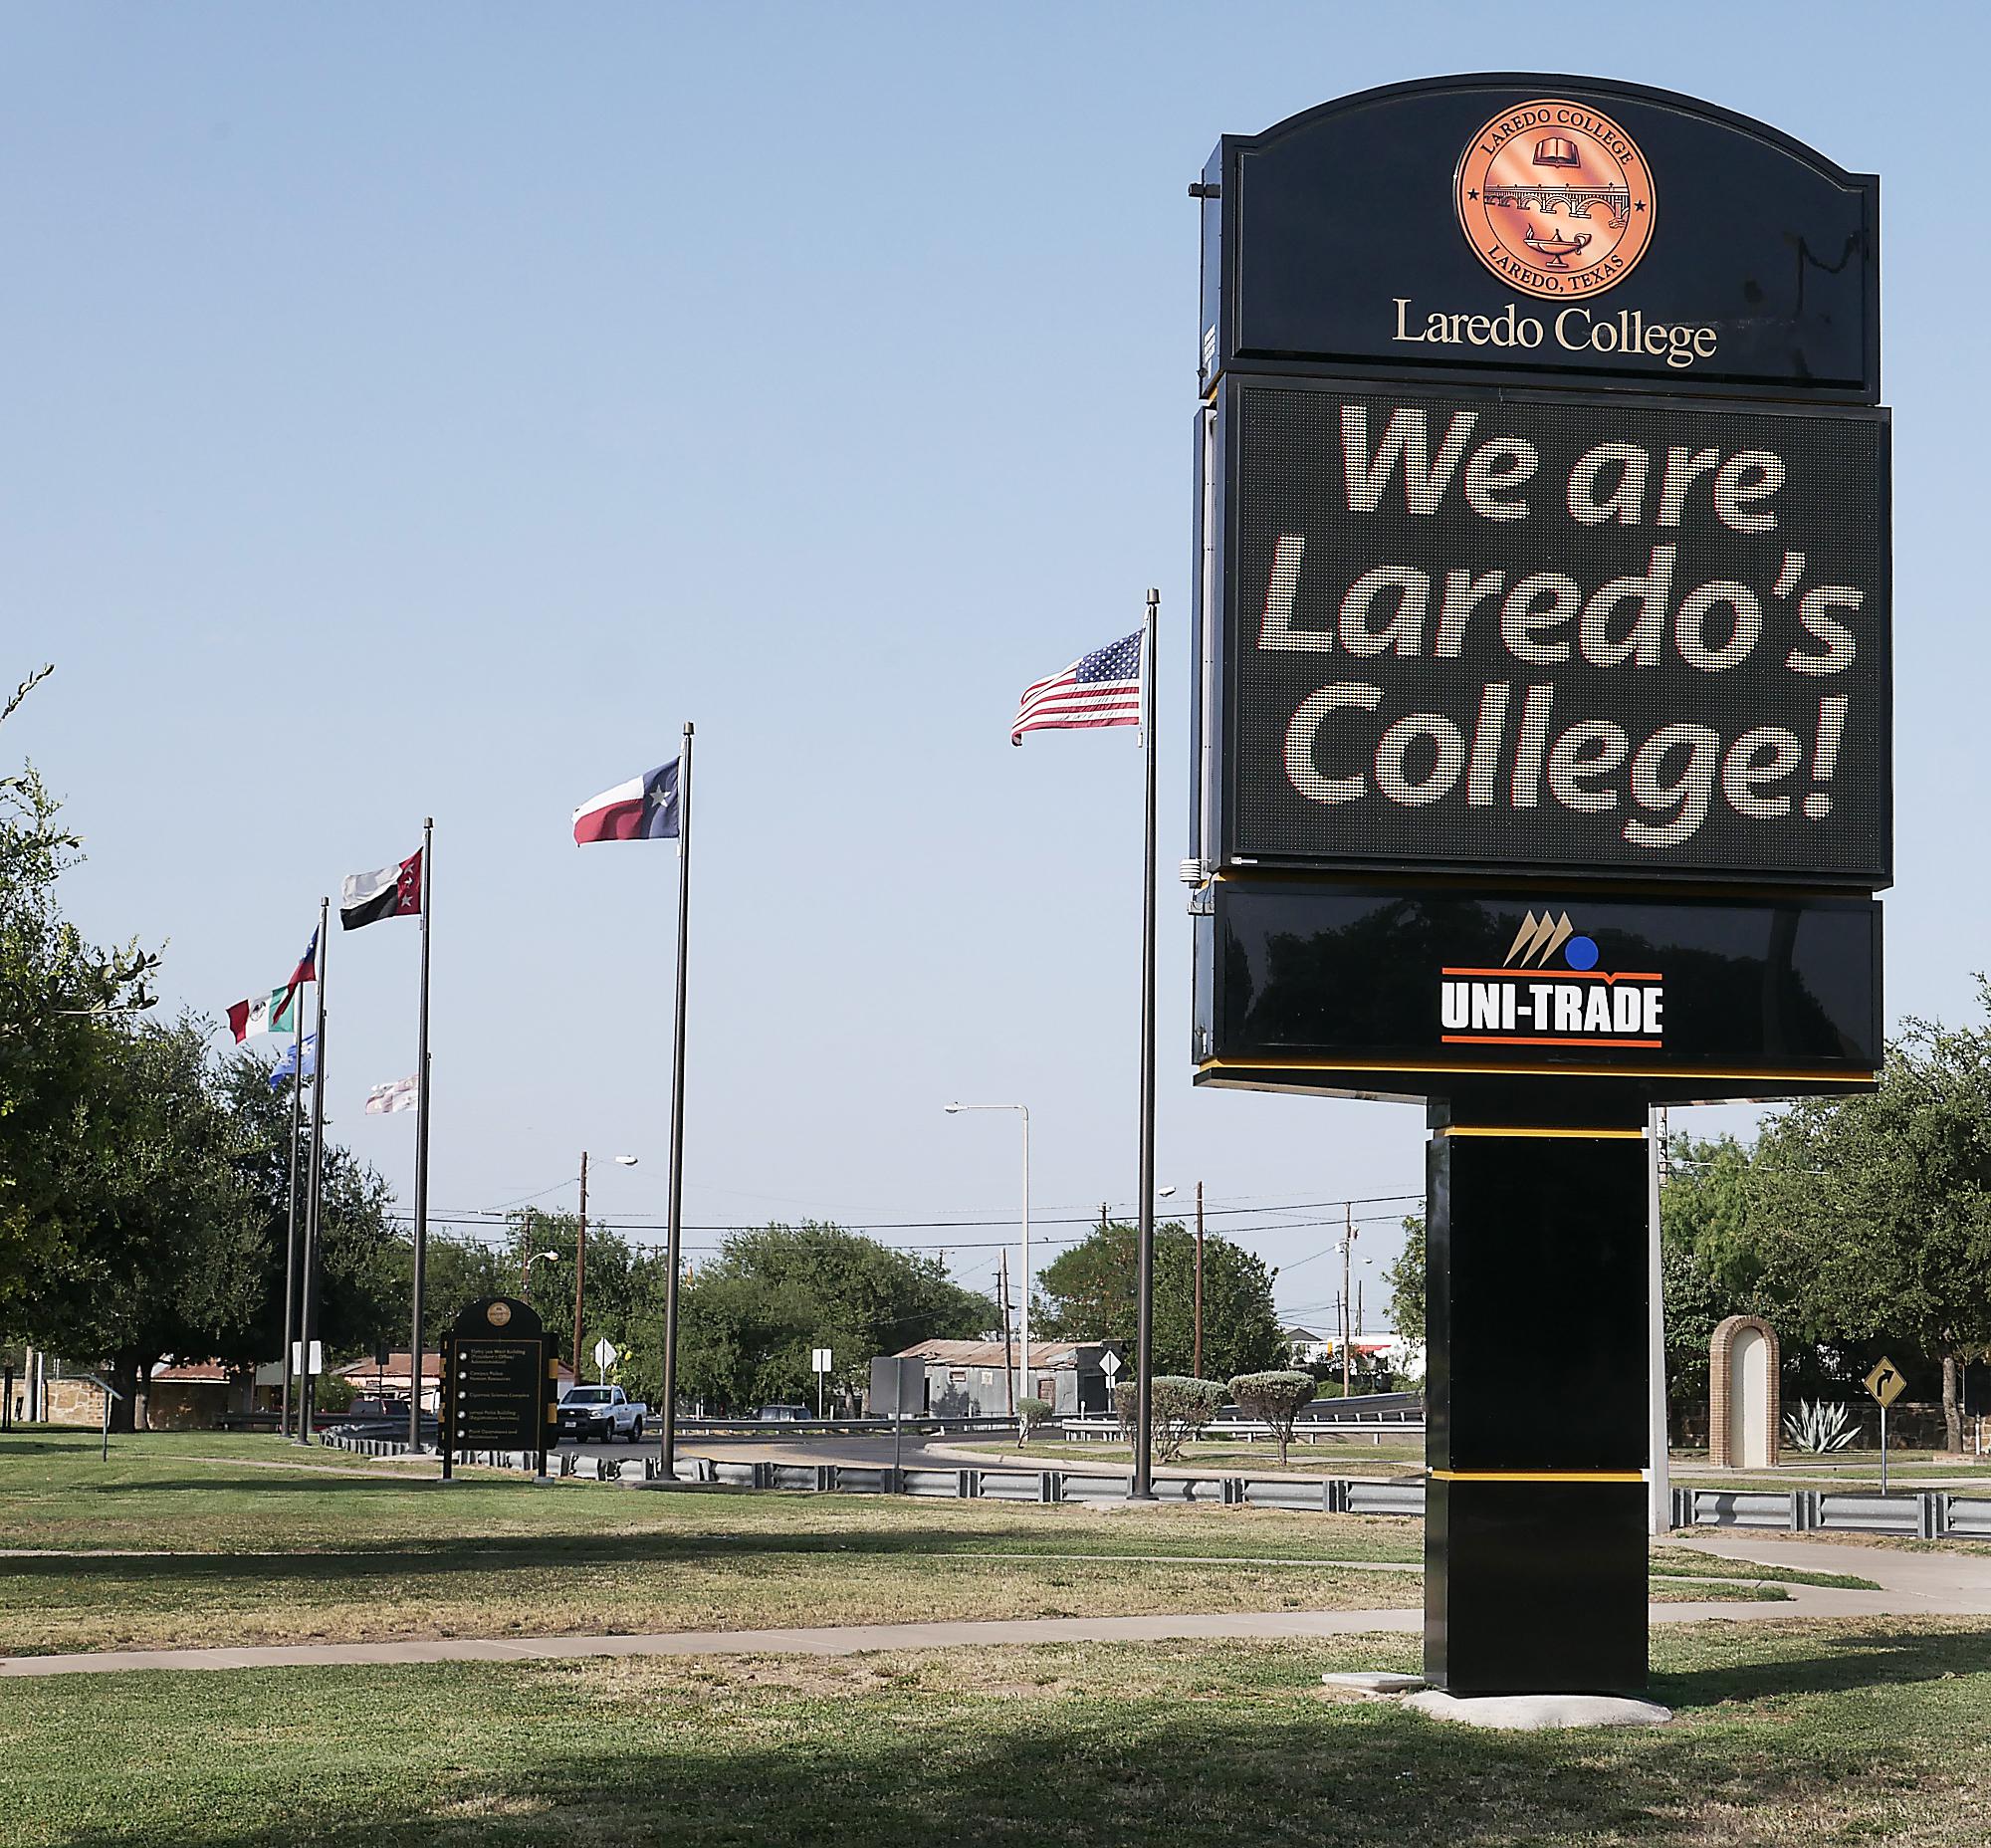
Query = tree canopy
x=749 y=1319
x=143 y=1181
x=1087 y=1294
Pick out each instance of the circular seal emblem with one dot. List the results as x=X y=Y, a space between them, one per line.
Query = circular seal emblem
x=498 y=1314
x=1555 y=199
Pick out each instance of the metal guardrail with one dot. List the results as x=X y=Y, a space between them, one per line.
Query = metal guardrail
x=1929 y=1514
x=1926 y=1514
x=923 y=1426
x=1101 y=1429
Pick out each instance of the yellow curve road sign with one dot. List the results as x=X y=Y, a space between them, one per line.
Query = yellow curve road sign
x=1886 y=1382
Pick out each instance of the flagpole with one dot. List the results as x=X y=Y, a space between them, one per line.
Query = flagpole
x=415 y=1342
x=291 y=1233
x=668 y=1456
x=308 y=1316
x=1142 y=1488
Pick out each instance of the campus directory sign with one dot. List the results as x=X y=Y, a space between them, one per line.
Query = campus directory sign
x=497 y=1380
x=1542 y=727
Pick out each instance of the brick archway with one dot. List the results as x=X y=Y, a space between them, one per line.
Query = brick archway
x=1752 y=1394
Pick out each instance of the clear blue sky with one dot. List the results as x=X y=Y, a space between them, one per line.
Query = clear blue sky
x=424 y=411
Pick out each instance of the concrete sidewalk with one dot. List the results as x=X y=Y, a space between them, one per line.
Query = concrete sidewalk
x=1914 y=1585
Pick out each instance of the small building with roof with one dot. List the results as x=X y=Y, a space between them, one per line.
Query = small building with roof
x=983 y=1379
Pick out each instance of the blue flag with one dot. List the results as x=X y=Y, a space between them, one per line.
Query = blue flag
x=287 y=1067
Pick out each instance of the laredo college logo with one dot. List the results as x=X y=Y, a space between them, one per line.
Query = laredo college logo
x=1525 y=1001
x=1555 y=199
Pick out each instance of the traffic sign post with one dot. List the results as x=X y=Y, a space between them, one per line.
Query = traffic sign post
x=1887 y=1385
x=821 y=1360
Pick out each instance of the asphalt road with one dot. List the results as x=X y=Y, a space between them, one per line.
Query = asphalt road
x=862 y=1451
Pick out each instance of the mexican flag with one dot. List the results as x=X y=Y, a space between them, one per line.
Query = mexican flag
x=274 y=1012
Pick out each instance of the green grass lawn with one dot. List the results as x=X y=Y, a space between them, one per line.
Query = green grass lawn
x=1788 y=1733
x=181 y=1542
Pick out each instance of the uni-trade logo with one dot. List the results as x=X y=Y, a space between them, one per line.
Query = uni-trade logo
x=1526 y=1002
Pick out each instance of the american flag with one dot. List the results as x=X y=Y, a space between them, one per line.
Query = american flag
x=1100 y=688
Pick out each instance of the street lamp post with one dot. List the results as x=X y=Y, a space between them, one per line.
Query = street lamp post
x=1022 y=1110
x=580 y=1255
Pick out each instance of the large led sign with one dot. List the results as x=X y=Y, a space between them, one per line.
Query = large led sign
x=1547 y=631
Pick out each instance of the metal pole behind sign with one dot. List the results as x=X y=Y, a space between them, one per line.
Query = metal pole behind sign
x=308 y=1310
x=1883 y=1446
x=446 y=1407
x=290 y=1224
x=579 y=1266
x=417 y=1345
x=668 y=1448
x=1142 y=1489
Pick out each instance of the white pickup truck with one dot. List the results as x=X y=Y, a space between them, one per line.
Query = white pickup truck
x=600 y=1413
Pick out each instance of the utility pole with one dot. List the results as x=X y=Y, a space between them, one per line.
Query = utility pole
x=580 y=1265
x=1347 y=1248
x=1009 y=1357
x=1102 y=1216
x=525 y=1253
x=1196 y=1366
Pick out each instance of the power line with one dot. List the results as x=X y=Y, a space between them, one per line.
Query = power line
x=498 y=1216
x=922 y=1225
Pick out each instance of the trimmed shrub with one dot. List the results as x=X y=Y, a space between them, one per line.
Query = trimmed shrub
x=1275 y=1399
x=1181 y=1408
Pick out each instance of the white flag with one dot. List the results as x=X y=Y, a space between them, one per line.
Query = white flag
x=385 y=1099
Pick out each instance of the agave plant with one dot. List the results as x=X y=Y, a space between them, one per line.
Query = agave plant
x=1818 y=1427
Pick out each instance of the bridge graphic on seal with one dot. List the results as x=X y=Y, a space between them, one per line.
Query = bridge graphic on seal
x=1576 y=201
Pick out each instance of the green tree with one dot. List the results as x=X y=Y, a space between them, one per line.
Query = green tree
x=462 y=1271
x=57 y=996
x=163 y=1252
x=1276 y=1399
x=1879 y=1206
x=1087 y=1294
x=748 y=1320
x=1407 y=1277
x=1178 y=1406
x=1713 y=1257
x=617 y=1281
x=366 y=1267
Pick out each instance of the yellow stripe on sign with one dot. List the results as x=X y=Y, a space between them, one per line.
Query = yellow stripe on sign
x=1532 y=1071
x=1539 y=1476
x=1621 y=1135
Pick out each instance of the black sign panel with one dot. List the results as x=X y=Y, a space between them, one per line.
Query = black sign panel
x=1547 y=226
x=1363 y=990
x=495 y=1394
x=1591 y=635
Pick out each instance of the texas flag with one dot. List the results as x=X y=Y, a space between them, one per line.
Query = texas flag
x=306 y=971
x=643 y=809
